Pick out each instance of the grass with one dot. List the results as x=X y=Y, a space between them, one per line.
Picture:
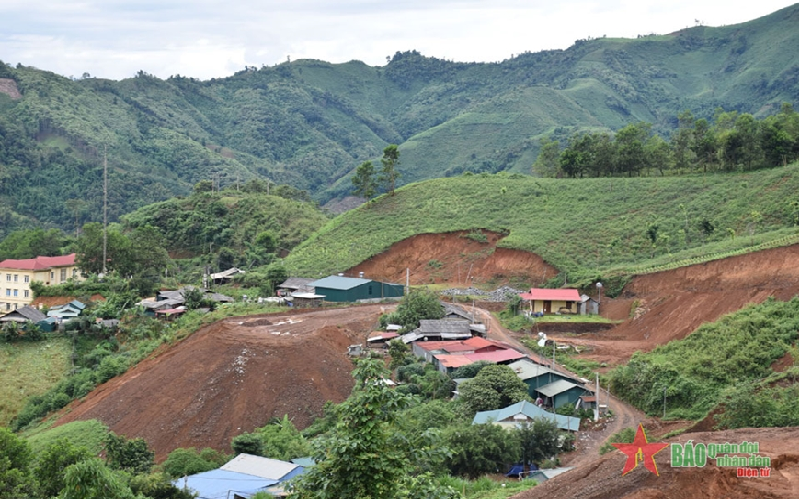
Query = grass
x=486 y=488
x=589 y=229
x=90 y=434
x=29 y=369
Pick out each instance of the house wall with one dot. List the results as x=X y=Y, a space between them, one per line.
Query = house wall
x=568 y=397
x=367 y=291
x=15 y=290
x=539 y=381
x=538 y=306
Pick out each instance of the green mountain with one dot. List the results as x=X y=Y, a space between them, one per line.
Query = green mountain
x=310 y=123
x=586 y=228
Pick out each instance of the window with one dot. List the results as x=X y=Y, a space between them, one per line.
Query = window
x=8 y=306
x=8 y=292
x=63 y=275
x=52 y=275
x=27 y=278
x=15 y=292
x=15 y=306
x=27 y=293
x=8 y=277
x=16 y=277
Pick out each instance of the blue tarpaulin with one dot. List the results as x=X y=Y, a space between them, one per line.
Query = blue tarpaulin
x=220 y=484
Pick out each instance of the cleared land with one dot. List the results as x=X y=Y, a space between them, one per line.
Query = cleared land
x=233 y=376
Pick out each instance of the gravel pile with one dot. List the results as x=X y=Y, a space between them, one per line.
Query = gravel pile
x=499 y=295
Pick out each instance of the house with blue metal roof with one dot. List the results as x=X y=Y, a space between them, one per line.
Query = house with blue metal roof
x=243 y=476
x=524 y=412
x=352 y=289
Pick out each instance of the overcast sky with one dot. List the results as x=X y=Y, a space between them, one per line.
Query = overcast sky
x=209 y=38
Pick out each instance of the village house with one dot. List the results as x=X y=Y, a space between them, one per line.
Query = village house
x=447 y=356
x=295 y=284
x=551 y=301
x=23 y=315
x=17 y=275
x=524 y=412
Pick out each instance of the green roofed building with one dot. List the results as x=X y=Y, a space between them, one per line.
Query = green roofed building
x=352 y=289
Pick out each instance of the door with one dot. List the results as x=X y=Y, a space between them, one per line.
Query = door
x=547 y=307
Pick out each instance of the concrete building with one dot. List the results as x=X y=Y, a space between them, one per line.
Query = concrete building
x=16 y=277
x=551 y=301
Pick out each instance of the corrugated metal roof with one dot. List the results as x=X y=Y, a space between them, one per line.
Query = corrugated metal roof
x=453 y=360
x=525 y=369
x=340 y=283
x=551 y=294
x=219 y=483
x=439 y=326
x=530 y=410
x=556 y=387
x=496 y=356
x=29 y=313
x=262 y=467
x=296 y=283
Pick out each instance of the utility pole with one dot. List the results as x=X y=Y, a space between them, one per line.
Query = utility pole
x=105 y=208
x=596 y=414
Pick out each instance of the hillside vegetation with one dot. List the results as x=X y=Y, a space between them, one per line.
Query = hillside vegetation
x=719 y=356
x=585 y=228
x=310 y=123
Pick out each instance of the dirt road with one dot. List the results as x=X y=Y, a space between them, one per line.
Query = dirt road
x=588 y=442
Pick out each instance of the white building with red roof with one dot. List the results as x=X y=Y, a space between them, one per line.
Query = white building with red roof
x=16 y=277
x=550 y=301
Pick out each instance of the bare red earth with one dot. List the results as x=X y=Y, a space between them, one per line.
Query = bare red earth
x=455 y=259
x=602 y=478
x=231 y=377
x=670 y=305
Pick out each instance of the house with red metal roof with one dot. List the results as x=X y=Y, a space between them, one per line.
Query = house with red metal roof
x=16 y=276
x=550 y=301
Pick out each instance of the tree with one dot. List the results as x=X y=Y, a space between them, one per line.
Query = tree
x=203 y=186
x=183 y=462
x=248 y=443
x=480 y=448
x=367 y=455
x=364 y=181
x=547 y=164
x=417 y=305
x=282 y=440
x=53 y=461
x=630 y=142
x=91 y=479
x=389 y=175
x=16 y=481
x=538 y=440
x=128 y=455
x=399 y=353
x=494 y=387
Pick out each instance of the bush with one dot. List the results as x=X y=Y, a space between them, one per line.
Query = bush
x=248 y=443
x=184 y=462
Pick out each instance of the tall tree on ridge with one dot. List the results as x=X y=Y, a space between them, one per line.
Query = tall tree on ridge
x=389 y=175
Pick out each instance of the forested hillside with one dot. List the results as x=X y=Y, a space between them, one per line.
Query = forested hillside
x=309 y=123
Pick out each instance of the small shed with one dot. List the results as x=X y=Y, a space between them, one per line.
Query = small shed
x=352 y=289
x=292 y=284
x=588 y=306
x=306 y=300
x=536 y=375
x=561 y=392
x=524 y=412
x=23 y=314
x=226 y=276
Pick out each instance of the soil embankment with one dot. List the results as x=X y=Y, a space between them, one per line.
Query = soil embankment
x=233 y=376
x=457 y=259
x=670 y=305
x=602 y=478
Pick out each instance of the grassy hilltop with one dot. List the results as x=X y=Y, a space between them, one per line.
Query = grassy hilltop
x=583 y=227
x=310 y=123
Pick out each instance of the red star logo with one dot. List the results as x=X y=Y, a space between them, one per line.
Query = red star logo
x=640 y=450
